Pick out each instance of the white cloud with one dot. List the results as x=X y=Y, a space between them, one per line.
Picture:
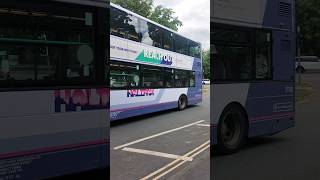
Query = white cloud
x=195 y=17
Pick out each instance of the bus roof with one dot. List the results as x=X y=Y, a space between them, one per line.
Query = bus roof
x=98 y=3
x=255 y=13
x=146 y=19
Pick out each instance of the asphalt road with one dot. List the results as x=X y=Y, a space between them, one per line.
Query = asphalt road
x=170 y=145
x=291 y=155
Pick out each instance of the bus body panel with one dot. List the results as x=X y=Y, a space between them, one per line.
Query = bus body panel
x=131 y=51
x=283 y=56
x=254 y=13
x=47 y=138
x=128 y=103
x=56 y=163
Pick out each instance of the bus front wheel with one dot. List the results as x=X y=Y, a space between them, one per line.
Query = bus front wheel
x=182 y=102
x=232 y=130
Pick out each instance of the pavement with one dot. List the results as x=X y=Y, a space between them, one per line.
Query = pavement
x=293 y=154
x=165 y=145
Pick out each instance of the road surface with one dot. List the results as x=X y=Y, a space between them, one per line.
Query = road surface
x=169 y=145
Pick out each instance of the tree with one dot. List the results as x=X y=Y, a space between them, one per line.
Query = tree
x=206 y=64
x=308 y=18
x=164 y=16
x=141 y=7
x=145 y=8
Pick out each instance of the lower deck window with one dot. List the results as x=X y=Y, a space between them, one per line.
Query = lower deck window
x=241 y=54
x=124 y=76
x=134 y=76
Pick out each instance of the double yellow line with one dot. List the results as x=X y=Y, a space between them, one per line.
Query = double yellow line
x=176 y=163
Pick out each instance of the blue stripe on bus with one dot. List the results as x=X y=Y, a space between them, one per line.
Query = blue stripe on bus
x=137 y=111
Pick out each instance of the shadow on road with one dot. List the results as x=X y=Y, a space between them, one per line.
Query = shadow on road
x=146 y=116
x=254 y=143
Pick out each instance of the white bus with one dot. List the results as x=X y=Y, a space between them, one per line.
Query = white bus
x=152 y=68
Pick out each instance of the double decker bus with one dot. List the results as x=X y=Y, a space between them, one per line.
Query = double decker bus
x=252 y=63
x=152 y=68
x=53 y=93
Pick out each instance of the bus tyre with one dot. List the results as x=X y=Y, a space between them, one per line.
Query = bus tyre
x=232 y=130
x=182 y=102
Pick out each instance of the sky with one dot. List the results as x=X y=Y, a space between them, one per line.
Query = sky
x=195 y=17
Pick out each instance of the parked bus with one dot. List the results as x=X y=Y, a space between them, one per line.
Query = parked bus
x=152 y=68
x=253 y=70
x=53 y=94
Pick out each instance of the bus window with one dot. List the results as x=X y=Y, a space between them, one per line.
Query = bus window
x=155 y=34
x=181 y=45
x=192 y=79
x=263 y=55
x=124 y=75
x=124 y=25
x=152 y=77
x=181 y=79
x=194 y=49
x=263 y=70
x=32 y=48
x=132 y=28
x=117 y=22
x=167 y=40
x=168 y=78
x=150 y=34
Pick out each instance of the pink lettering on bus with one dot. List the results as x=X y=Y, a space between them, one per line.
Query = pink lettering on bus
x=86 y=99
x=140 y=92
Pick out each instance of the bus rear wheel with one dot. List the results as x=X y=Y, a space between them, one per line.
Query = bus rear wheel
x=182 y=102
x=232 y=130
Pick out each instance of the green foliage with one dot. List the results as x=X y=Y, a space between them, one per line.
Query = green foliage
x=159 y=14
x=164 y=16
x=141 y=7
x=206 y=64
x=308 y=18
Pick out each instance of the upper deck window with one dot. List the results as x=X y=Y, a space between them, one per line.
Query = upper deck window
x=131 y=27
x=49 y=45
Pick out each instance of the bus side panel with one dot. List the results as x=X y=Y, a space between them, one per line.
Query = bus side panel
x=270 y=107
x=195 y=93
x=137 y=111
x=44 y=165
x=278 y=14
x=128 y=103
x=283 y=56
x=64 y=131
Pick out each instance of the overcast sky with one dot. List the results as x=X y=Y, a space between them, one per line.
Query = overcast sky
x=195 y=17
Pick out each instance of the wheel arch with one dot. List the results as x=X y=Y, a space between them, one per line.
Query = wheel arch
x=240 y=106
x=183 y=94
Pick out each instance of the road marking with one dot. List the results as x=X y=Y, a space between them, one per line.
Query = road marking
x=206 y=125
x=156 y=135
x=181 y=163
x=155 y=153
x=195 y=152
